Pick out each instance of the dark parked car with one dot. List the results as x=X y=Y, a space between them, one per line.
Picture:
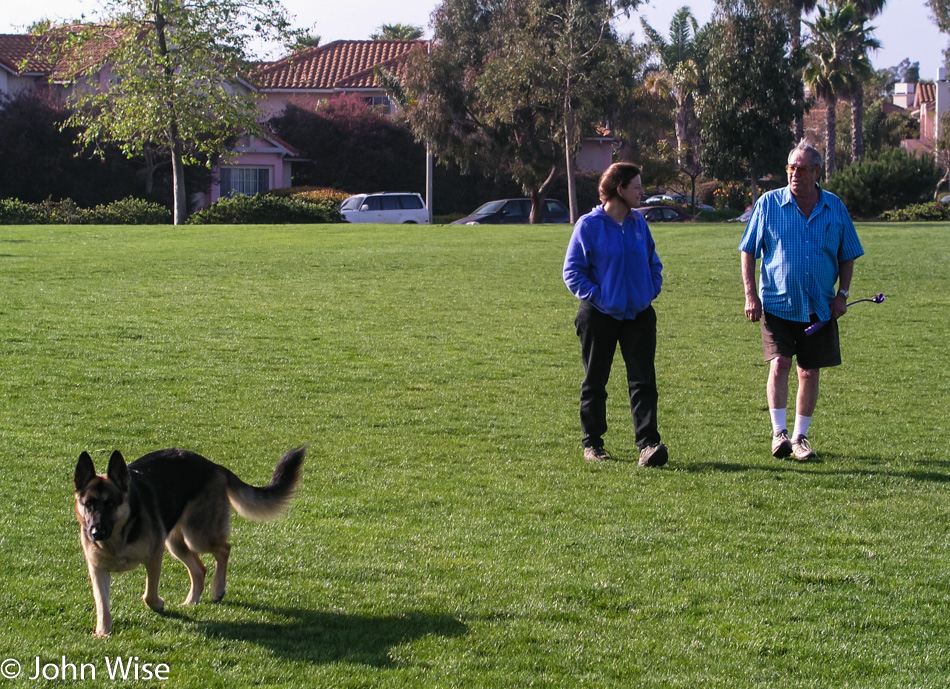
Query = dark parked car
x=515 y=212
x=665 y=214
x=680 y=199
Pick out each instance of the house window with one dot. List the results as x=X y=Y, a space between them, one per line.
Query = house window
x=380 y=103
x=244 y=180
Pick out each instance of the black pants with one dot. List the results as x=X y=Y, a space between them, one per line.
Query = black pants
x=600 y=334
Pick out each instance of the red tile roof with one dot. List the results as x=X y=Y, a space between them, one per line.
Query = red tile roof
x=30 y=55
x=336 y=65
x=926 y=93
x=18 y=54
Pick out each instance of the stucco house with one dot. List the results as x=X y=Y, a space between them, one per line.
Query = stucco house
x=930 y=105
x=262 y=162
x=304 y=79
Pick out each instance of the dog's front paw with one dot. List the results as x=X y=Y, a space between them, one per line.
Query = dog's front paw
x=158 y=604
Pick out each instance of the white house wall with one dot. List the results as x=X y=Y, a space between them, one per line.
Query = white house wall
x=942 y=106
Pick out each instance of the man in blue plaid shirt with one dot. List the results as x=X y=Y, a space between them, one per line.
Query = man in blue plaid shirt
x=807 y=244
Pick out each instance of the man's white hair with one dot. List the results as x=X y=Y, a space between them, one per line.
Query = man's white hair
x=813 y=153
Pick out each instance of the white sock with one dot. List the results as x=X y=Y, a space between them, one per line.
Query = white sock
x=778 y=420
x=801 y=426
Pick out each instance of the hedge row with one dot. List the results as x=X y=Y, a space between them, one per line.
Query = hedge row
x=921 y=211
x=311 y=194
x=307 y=206
x=128 y=211
x=267 y=208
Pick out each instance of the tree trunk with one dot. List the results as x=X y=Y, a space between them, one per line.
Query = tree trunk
x=681 y=126
x=831 y=105
x=569 y=160
x=148 y=170
x=571 y=185
x=539 y=195
x=178 y=184
x=795 y=29
x=857 y=124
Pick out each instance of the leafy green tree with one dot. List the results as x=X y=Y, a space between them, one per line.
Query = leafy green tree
x=747 y=114
x=508 y=84
x=940 y=11
x=837 y=62
x=458 y=105
x=174 y=70
x=397 y=32
x=940 y=14
x=589 y=68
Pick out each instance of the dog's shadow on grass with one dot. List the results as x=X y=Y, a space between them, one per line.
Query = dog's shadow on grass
x=328 y=637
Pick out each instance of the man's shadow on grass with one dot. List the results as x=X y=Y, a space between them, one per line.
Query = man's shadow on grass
x=785 y=466
x=327 y=637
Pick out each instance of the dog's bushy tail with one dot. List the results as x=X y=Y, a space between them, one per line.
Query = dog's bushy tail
x=260 y=504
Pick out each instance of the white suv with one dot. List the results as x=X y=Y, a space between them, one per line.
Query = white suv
x=385 y=207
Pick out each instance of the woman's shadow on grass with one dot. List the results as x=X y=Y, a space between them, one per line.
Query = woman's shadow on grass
x=327 y=637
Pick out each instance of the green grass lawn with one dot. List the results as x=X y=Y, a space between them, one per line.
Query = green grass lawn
x=448 y=532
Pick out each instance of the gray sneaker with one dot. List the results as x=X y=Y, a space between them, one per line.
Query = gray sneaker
x=781 y=444
x=801 y=448
x=654 y=455
x=596 y=454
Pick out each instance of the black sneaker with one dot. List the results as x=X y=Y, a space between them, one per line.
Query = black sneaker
x=654 y=455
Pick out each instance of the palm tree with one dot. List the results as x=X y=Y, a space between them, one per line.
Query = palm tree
x=397 y=32
x=837 y=62
x=677 y=76
x=795 y=11
x=866 y=9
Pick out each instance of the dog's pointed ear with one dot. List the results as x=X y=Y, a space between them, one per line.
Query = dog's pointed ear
x=118 y=472
x=85 y=471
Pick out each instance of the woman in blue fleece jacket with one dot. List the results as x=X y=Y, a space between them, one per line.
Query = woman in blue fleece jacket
x=612 y=267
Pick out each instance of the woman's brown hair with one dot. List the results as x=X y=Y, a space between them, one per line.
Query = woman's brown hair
x=616 y=176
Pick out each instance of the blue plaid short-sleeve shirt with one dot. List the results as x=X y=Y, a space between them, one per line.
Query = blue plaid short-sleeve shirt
x=800 y=257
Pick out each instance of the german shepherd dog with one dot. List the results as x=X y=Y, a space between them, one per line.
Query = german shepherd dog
x=172 y=497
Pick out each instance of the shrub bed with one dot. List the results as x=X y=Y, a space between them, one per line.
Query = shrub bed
x=16 y=212
x=892 y=179
x=312 y=194
x=918 y=212
x=130 y=211
x=266 y=208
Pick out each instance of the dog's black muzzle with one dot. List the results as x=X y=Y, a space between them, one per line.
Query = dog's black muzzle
x=98 y=532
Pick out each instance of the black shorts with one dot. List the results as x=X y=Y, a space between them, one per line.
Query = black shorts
x=787 y=338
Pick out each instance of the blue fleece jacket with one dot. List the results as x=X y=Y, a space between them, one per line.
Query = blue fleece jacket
x=613 y=266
